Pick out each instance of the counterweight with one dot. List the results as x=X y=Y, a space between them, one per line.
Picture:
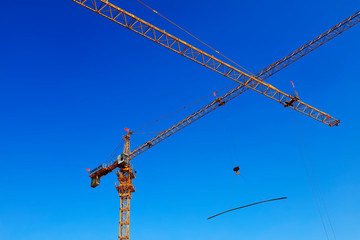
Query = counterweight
x=246 y=81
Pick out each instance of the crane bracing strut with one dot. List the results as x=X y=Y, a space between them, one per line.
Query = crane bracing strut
x=165 y=39
x=125 y=174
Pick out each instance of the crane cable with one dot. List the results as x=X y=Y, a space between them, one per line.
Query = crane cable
x=162 y=16
x=114 y=152
x=235 y=161
x=194 y=37
x=231 y=191
x=247 y=182
x=181 y=108
x=135 y=131
x=308 y=174
x=251 y=185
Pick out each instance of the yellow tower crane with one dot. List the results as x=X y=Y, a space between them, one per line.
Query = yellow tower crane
x=246 y=81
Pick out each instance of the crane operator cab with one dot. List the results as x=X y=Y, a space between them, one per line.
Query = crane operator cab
x=123 y=160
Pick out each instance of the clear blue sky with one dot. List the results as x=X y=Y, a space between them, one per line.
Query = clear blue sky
x=70 y=81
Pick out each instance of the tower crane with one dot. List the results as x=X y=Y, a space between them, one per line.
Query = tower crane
x=246 y=81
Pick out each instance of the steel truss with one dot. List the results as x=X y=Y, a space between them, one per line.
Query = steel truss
x=159 y=36
x=262 y=75
x=125 y=175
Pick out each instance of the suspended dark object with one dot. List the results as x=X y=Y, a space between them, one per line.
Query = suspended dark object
x=236 y=170
x=275 y=199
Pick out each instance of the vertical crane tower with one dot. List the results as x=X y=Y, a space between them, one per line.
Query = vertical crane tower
x=256 y=82
x=125 y=187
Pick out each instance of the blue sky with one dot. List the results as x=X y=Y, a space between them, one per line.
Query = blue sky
x=71 y=80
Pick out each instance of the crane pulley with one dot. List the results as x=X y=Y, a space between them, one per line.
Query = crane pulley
x=246 y=81
x=130 y=21
x=147 y=30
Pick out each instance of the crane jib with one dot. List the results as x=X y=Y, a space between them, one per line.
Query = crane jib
x=165 y=39
x=125 y=175
x=159 y=36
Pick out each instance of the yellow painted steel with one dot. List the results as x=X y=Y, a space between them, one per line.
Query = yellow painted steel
x=125 y=188
x=169 y=41
x=125 y=175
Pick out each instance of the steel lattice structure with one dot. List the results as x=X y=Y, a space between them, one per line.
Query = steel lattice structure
x=165 y=39
x=125 y=188
x=255 y=82
x=263 y=74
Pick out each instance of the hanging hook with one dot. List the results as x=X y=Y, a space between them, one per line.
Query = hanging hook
x=236 y=170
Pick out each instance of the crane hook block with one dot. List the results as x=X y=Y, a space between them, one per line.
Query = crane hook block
x=95 y=181
x=236 y=170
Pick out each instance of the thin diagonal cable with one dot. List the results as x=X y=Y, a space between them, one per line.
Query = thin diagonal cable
x=147 y=132
x=114 y=152
x=231 y=191
x=309 y=178
x=252 y=204
x=316 y=180
x=251 y=186
x=194 y=37
x=181 y=108
x=135 y=131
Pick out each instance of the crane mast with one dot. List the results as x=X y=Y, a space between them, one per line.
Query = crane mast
x=125 y=188
x=125 y=173
x=114 y=13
